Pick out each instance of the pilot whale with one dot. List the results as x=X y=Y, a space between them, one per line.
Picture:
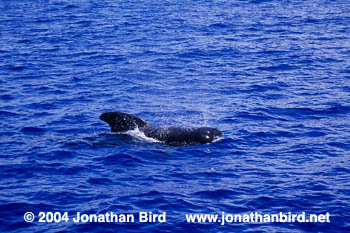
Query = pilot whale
x=123 y=122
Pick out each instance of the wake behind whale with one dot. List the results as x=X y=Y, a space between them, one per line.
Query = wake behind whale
x=123 y=122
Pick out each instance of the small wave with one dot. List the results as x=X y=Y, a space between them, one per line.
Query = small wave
x=99 y=181
x=32 y=130
x=7 y=114
x=219 y=25
x=281 y=67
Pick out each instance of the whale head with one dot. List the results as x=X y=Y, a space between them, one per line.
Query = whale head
x=207 y=134
x=122 y=122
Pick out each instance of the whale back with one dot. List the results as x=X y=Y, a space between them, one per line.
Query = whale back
x=183 y=136
x=122 y=122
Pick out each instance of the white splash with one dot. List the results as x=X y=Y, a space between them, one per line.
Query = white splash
x=218 y=138
x=139 y=135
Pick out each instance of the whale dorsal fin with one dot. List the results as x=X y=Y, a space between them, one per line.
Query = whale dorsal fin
x=122 y=122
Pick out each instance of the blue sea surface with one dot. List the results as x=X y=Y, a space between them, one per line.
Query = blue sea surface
x=273 y=76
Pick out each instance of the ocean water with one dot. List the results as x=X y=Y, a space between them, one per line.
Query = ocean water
x=272 y=75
